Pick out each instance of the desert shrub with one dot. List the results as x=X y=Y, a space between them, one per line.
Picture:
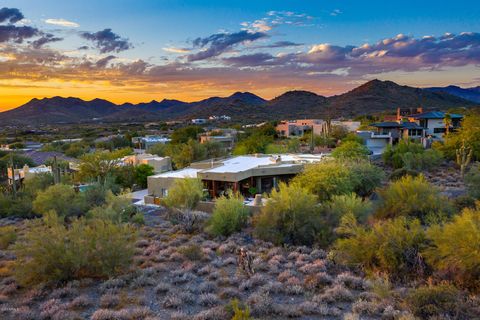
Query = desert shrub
x=230 y=215
x=472 y=180
x=116 y=209
x=326 y=179
x=454 y=248
x=184 y=193
x=239 y=311
x=289 y=216
x=190 y=221
x=51 y=251
x=8 y=235
x=350 y=150
x=412 y=156
x=397 y=174
x=192 y=252
x=391 y=247
x=350 y=203
x=38 y=182
x=366 y=176
x=60 y=198
x=21 y=206
x=333 y=211
x=412 y=197
x=434 y=301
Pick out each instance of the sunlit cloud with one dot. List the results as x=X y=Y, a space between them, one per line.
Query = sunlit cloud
x=176 y=50
x=62 y=23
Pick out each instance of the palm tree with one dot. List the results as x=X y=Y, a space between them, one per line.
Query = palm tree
x=447 y=121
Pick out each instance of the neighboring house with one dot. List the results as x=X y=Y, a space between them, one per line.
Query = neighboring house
x=244 y=174
x=226 y=137
x=159 y=164
x=144 y=143
x=399 y=130
x=288 y=128
x=433 y=123
x=19 y=175
x=199 y=121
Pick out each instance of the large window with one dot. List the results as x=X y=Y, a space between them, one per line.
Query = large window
x=439 y=130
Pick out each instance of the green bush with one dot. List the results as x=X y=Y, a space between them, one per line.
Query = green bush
x=289 y=216
x=434 y=301
x=116 y=209
x=367 y=177
x=412 y=197
x=230 y=215
x=184 y=193
x=412 y=156
x=21 y=206
x=51 y=252
x=397 y=174
x=142 y=172
x=326 y=179
x=391 y=247
x=350 y=150
x=8 y=235
x=350 y=204
x=472 y=181
x=455 y=247
x=60 y=198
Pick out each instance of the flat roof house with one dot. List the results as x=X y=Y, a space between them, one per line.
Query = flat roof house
x=433 y=123
x=144 y=143
x=249 y=174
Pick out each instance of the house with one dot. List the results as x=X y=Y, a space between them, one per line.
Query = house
x=199 y=121
x=433 y=123
x=399 y=130
x=145 y=143
x=288 y=128
x=159 y=164
x=248 y=175
x=25 y=173
x=226 y=137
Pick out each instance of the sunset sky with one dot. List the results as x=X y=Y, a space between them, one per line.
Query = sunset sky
x=134 y=51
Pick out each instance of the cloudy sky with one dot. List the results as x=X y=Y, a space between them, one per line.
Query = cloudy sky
x=125 y=50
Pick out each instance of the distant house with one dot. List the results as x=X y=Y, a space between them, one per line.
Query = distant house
x=433 y=123
x=25 y=173
x=159 y=164
x=144 y=143
x=243 y=174
x=226 y=137
x=288 y=128
x=199 y=121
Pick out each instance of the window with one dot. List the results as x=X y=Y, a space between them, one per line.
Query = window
x=439 y=130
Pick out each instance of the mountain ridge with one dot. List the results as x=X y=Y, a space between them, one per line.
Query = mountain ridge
x=372 y=97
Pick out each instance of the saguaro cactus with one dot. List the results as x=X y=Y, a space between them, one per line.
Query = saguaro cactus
x=464 y=156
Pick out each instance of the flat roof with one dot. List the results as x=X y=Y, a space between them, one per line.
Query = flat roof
x=182 y=173
x=435 y=115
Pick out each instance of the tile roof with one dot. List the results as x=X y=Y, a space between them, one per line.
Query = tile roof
x=435 y=115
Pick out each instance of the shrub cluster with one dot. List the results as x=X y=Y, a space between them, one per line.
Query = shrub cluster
x=50 y=251
x=184 y=193
x=412 y=156
x=230 y=215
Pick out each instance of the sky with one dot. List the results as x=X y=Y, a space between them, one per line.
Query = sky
x=138 y=51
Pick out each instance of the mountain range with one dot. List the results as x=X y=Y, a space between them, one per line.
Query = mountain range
x=472 y=94
x=373 y=97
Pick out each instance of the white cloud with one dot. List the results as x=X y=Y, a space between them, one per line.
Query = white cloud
x=176 y=50
x=62 y=23
x=336 y=12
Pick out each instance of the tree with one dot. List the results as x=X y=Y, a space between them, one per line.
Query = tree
x=142 y=172
x=61 y=199
x=468 y=133
x=454 y=248
x=229 y=215
x=290 y=216
x=350 y=150
x=183 y=135
x=98 y=165
x=412 y=197
x=184 y=193
x=326 y=179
